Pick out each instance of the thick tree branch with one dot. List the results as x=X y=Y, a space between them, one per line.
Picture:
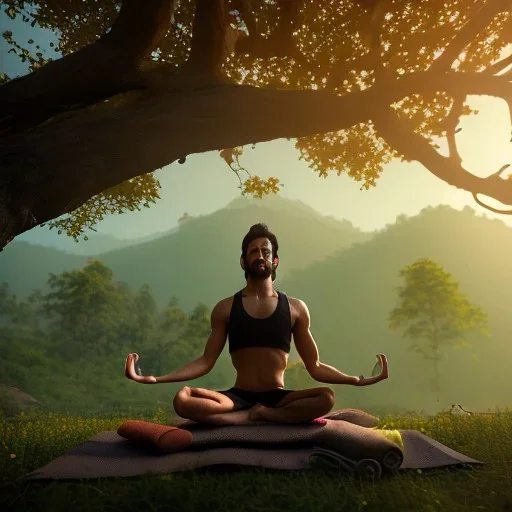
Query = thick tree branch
x=399 y=135
x=280 y=42
x=480 y=16
x=208 y=50
x=139 y=28
x=243 y=8
x=89 y=75
x=56 y=167
x=494 y=176
x=450 y=126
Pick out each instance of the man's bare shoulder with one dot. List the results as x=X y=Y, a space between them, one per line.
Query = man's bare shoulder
x=297 y=303
x=223 y=307
x=298 y=309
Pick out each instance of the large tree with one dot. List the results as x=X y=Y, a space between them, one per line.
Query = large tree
x=143 y=84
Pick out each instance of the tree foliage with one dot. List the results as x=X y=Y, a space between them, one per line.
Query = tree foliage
x=433 y=311
x=420 y=59
x=81 y=330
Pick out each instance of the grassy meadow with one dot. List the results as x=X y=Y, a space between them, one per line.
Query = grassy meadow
x=29 y=442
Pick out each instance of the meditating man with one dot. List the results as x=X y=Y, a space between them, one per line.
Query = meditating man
x=259 y=322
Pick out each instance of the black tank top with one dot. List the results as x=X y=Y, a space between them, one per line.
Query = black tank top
x=273 y=332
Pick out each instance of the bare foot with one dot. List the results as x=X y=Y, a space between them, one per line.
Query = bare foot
x=244 y=417
x=255 y=413
x=229 y=418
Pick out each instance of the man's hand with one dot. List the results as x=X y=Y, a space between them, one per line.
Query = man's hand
x=384 y=363
x=383 y=375
x=130 y=372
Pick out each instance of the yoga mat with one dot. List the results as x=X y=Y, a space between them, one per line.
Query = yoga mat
x=331 y=442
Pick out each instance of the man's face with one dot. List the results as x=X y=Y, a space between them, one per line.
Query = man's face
x=258 y=259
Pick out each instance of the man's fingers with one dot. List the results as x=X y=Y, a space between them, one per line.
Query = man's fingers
x=130 y=367
x=383 y=359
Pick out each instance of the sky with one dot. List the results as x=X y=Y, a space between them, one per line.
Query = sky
x=205 y=183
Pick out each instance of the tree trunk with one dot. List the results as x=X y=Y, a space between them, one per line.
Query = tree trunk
x=435 y=351
x=436 y=380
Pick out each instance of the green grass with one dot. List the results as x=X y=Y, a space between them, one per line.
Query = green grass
x=29 y=443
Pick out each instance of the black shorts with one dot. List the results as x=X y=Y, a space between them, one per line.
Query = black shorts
x=246 y=399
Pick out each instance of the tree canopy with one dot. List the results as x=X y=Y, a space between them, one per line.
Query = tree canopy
x=433 y=310
x=139 y=86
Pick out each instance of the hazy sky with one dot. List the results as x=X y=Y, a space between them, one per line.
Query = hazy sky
x=205 y=183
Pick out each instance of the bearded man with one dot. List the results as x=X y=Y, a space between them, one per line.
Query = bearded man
x=259 y=322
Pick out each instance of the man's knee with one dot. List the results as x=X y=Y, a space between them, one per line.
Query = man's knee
x=327 y=396
x=180 y=400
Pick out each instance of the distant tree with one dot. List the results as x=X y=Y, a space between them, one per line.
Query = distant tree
x=197 y=331
x=8 y=303
x=199 y=321
x=145 y=315
x=125 y=334
x=86 y=305
x=164 y=353
x=35 y=303
x=434 y=311
x=184 y=219
x=22 y=342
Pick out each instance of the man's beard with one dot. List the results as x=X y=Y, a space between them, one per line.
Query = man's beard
x=257 y=272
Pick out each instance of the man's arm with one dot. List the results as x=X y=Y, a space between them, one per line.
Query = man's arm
x=214 y=346
x=308 y=351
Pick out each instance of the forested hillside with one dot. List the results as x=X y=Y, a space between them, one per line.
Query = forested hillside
x=66 y=345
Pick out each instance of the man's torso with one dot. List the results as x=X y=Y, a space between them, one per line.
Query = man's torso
x=259 y=368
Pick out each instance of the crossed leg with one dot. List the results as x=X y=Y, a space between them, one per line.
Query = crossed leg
x=296 y=407
x=207 y=406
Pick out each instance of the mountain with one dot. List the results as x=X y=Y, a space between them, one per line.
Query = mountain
x=351 y=293
x=200 y=260
x=97 y=243
x=25 y=266
x=279 y=203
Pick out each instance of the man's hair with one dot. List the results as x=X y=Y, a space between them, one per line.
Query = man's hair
x=260 y=230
